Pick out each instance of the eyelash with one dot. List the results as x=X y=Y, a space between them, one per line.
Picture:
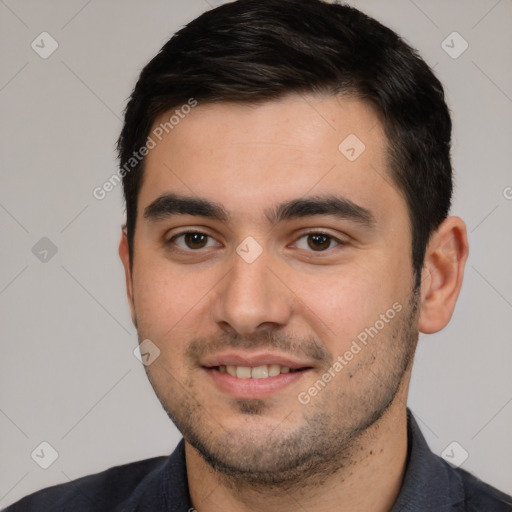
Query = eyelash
x=172 y=240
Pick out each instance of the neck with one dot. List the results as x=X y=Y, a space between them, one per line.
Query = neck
x=370 y=481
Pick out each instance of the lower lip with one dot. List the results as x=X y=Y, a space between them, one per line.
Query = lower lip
x=253 y=388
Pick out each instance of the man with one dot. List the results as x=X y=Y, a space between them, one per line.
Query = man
x=286 y=170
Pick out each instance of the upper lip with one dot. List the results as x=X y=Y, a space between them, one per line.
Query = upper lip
x=252 y=360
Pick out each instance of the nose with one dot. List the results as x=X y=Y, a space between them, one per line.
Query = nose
x=252 y=298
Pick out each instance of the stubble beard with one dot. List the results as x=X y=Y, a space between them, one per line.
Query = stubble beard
x=327 y=438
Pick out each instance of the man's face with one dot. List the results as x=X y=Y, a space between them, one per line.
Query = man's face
x=302 y=261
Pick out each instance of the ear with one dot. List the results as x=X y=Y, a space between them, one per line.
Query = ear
x=442 y=274
x=124 y=254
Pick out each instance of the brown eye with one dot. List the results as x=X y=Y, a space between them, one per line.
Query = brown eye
x=193 y=240
x=317 y=242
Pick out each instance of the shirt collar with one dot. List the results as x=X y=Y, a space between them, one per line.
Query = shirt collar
x=430 y=484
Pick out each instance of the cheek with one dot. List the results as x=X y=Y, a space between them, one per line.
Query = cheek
x=172 y=301
x=162 y=297
x=341 y=304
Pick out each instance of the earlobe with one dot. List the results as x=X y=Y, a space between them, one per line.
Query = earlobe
x=124 y=254
x=442 y=275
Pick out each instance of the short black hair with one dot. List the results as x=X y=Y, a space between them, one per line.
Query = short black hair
x=252 y=51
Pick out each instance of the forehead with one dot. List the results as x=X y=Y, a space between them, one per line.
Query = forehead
x=244 y=156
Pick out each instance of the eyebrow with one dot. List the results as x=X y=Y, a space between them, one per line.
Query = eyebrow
x=174 y=204
x=340 y=207
x=336 y=206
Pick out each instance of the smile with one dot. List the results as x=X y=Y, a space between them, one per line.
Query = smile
x=256 y=372
x=254 y=382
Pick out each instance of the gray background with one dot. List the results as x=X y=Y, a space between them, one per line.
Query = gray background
x=67 y=371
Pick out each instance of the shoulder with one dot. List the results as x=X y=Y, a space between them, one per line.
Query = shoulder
x=480 y=496
x=432 y=484
x=98 y=492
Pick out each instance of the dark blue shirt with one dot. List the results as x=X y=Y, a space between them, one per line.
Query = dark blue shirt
x=160 y=484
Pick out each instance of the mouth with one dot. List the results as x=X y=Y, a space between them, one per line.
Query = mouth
x=264 y=371
x=246 y=377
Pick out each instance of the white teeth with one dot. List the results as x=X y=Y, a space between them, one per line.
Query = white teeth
x=243 y=372
x=257 y=372
x=273 y=370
